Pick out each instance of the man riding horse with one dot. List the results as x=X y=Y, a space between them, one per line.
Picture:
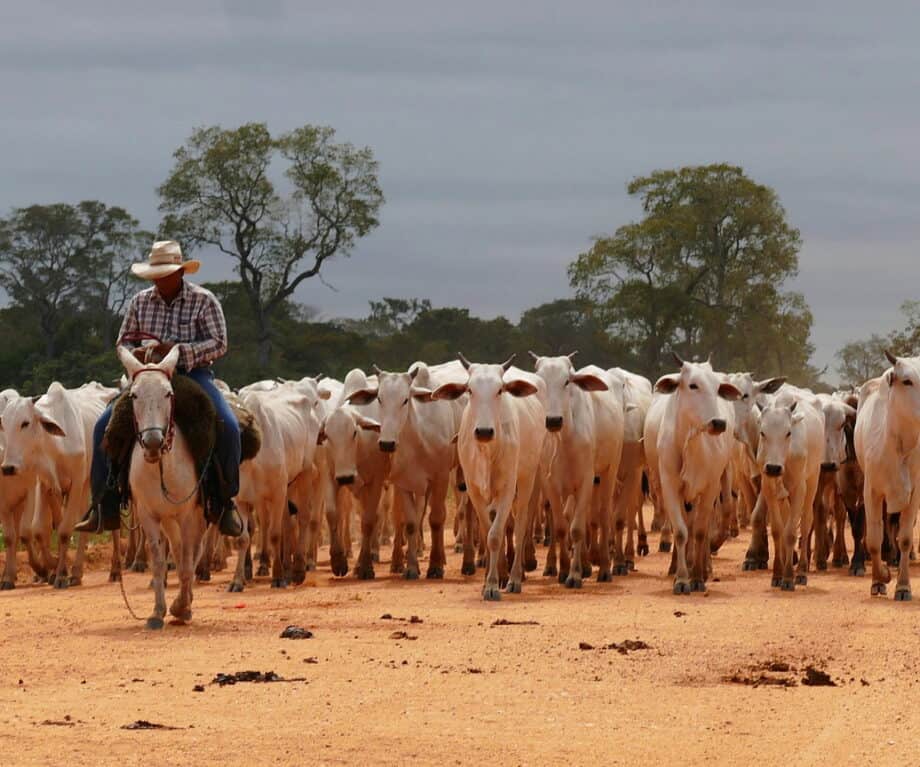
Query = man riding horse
x=174 y=312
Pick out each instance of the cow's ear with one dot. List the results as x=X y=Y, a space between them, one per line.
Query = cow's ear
x=851 y=414
x=321 y=437
x=520 y=388
x=667 y=384
x=368 y=424
x=449 y=391
x=421 y=393
x=729 y=391
x=588 y=382
x=362 y=397
x=889 y=377
x=770 y=386
x=324 y=393
x=51 y=426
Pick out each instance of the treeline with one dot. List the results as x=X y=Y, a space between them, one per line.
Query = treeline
x=702 y=271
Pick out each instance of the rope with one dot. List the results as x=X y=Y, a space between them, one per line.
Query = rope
x=165 y=491
x=124 y=596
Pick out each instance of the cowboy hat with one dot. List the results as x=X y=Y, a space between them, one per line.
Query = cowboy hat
x=165 y=258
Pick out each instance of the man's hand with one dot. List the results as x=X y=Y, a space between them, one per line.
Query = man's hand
x=140 y=354
x=161 y=350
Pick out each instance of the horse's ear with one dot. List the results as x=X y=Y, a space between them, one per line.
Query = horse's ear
x=131 y=364
x=170 y=361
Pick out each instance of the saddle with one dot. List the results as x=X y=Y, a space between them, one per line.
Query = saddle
x=196 y=418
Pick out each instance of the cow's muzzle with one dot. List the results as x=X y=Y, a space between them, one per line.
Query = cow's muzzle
x=387 y=446
x=347 y=479
x=829 y=466
x=485 y=434
x=9 y=471
x=553 y=423
x=717 y=426
x=773 y=470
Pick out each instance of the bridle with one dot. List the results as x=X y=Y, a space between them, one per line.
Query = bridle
x=169 y=432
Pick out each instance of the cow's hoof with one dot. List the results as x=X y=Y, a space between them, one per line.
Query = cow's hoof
x=776 y=582
x=7 y=585
x=630 y=565
x=310 y=567
x=279 y=583
x=235 y=587
x=734 y=532
x=435 y=573
x=586 y=571
x=530 y=565
x=664 y=546
x=878 y=589
x=375 y=557
x=468 y=568
x=155 y=623
x=621 y=569
x=396 y=568
x=858 y=571
x=339 y=565
x=841 y=562
x=138 y=567
x=572 y=582
x=170 y=567
x=748 y=565
x=547 y=541
x=411 y=574
x=902 y=594
x=787 y=584
x=482 y=562
x=114 y=577
x=514 y=587
x=801 y=580
x=681 y=587
x=819 y=565
x=364 y=572
x=61 y=582
x=697 y=586
x=604 y=576
x=182 y=615
x=491 y=594
x=298 y=576
x=75 y=580
x=262 y=571
x=550 y=570
x=458 y=548
x=643 y=549
x=203 y=577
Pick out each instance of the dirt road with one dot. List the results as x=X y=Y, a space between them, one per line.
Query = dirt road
x=721 y=678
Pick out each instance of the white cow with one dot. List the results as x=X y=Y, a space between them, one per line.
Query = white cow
x=789 y=458
x=888 y=449
x=585 y=419
x=419 y=434
x=693 y=449
x=49 y=439
x=500 y=444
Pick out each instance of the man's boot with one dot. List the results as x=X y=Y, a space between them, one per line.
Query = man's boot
x=219 y=508
x=104 y=514
x=230 y=522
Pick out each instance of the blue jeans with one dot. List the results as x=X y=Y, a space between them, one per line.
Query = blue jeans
x=227 y=450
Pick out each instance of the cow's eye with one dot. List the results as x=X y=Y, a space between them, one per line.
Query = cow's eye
x=762 y=434
x=405 y=401
x=566 y=383
x=907 y=382
x=788 y=434
x=24 y=425
x=744 y=396
x=694 y=387
x=355 y=434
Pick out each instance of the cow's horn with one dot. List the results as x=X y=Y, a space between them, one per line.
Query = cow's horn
x=677 y=358
x=464 y=361
x=536 y=357
x=507 y=363
x=572 y=355
x=891 y=358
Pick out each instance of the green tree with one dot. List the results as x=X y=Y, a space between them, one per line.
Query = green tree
x=220 y=193
x=712 y=249
x=858 y=361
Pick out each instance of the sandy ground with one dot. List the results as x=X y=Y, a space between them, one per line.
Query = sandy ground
x=456 y=689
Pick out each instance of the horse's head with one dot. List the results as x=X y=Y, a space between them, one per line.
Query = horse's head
x=152 y=399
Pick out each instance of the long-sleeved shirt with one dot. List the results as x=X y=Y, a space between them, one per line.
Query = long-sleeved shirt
x=194 y=321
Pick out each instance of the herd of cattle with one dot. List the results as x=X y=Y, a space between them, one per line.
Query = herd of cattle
x=561 y=452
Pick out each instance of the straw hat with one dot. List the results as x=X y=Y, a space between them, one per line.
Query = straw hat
x=165 y=258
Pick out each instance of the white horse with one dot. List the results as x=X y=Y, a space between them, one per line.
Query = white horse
x=164 y=482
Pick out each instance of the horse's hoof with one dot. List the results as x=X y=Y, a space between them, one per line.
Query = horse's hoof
x=572 y=582
x=155 y=623
x=604 y=576
x=491 y=594
x=235 y=587
x=435 y=573
x=801 y=580
x=681 y=587
x=902 y=594
x=514 y=587
x=878 y=589
x=7 y=585
x=697 y=586
x=664 y=546
x=468 y=568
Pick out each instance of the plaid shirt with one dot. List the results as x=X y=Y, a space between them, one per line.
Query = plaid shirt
x=194 y=321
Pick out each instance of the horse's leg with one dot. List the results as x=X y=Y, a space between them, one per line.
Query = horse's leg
x=158 y=554
x=185 y=539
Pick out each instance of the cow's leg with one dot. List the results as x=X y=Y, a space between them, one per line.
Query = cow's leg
x=805 y=520
x=264 y=555
x=701 y=521
x=141 y=557
x=530 y=543
x=369 y=496
x=621 y=508
x=469 y=521
x=642 y=537
x=521 y=514
x=275 y=512
x=157 y=544
x=238 y=582
x=115 y=567
x=727 y=512
x=579 y=530
x=397 y=559
x=857 y=518
x=841 y=559
x=666 y=539
x=905 y=540
x=203 y=568
x=779 y=550
x=820 y=525
x=336 y=511
x=437 y=516
x=499 y=514
x=413 y=507
x=602 y=502
x=9 y=520
x=673 y=504
x=758 y=552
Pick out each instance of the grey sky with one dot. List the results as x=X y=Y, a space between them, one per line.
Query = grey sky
x=506 y=131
